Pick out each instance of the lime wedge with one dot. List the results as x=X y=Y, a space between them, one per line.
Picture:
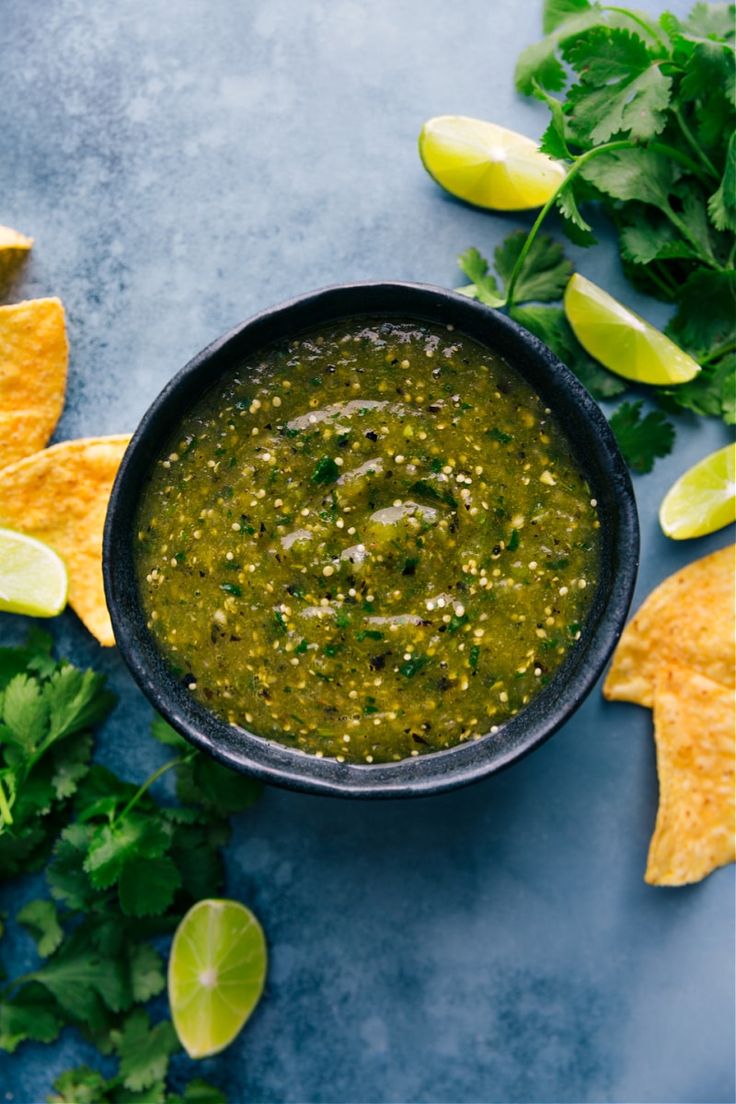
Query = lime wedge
x=486 y=164
x=33 y=578
x=621 y=340
x=217 y=968
x=703 y=499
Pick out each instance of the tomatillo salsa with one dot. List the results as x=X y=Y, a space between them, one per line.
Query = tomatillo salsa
x=371 y=541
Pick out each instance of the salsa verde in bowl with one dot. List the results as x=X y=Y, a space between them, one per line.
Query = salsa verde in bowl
x=376 y=541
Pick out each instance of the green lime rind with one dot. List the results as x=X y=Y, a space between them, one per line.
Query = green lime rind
x=217 y=970
x=703 y=499
x=33 y=577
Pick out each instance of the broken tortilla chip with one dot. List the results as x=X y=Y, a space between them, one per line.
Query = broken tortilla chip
x=12 y=239
x=688 y=619
x=60 y=495
x=33 y=359
x=694 y=732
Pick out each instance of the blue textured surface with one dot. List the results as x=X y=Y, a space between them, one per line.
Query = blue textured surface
x=180 y=166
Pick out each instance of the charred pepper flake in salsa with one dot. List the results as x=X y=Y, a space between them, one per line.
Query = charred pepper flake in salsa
x=371 y=542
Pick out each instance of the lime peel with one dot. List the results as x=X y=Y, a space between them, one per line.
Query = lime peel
x=621 y=340
x=703 y=499
x=33 y=577
x=217 y=969
x=488 y=165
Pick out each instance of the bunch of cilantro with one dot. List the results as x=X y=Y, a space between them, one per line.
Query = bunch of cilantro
x=121 y=870
x=644 y=114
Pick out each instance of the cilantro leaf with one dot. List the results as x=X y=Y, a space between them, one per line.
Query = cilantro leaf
x=144 y=1050
x=41 y=920
x=632 y=174
x=81 y=1085
x=29 y=1015
x=557 y=12
x=70 y=763
x=645 y=235
x=712 y=392
x=703 y=47
x=24 y=849
x=79 y=977
x=145 y=966
x=539 y=62
x=722 y=204
x=84 y=1085
x=39 y=707
x=484 y=286
x=147 y=886
x=165 y=734
x=705 y=312
x=550 y=325
x=641 y=440
x=130 y=837
x=543 y=276
x=575 y=226
x=101 y=793
x=545 y=272
x=76 y=700
x=65 y=874
x=196 y=852
x=555 y=139
x=14 y=661
x=25 y=713
x=221 y=791
x=622 y=89
x=711 y=21
x=713 y=121
x=198 y=1091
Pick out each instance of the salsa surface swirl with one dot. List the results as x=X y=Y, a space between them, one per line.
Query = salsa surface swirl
x=370 y=542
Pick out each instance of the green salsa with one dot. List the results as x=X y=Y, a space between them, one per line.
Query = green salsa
x=369 y=542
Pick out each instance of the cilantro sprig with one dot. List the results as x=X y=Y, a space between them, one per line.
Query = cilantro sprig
x=121 y=869
x=644 y=114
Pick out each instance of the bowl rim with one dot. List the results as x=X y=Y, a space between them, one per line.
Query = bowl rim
x=436 y=771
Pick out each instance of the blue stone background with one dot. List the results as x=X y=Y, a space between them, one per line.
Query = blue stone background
x=181 y=165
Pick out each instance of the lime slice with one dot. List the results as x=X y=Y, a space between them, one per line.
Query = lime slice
x=621 y=340
x=703 y=499
x=486 y=164
x=216 y=972
x=33 y=578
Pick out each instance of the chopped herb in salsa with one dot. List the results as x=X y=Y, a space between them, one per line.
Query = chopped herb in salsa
x=382 y=525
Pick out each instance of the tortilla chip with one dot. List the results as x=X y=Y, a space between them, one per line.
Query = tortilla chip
x=694 y=731
x=11 y=239
x=688 y=619
x=33 y=360
x=60 y=496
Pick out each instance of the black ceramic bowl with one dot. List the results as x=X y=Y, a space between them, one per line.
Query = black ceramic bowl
x=592 y=441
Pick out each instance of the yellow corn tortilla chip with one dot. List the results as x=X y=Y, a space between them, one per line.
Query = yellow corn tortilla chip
x=60 y=496
x=694 y=721
x=33 y=361
x=688 y=619
x=12 y=239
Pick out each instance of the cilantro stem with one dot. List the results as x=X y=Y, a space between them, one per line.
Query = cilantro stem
x=684 y=230
x=5 y=812
x=718 y=352
x=643 y=23
x=674 y=155
x=574 y=169
x=150 y=780
x=694 y=144
x=660 y=277
x=13 y=983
